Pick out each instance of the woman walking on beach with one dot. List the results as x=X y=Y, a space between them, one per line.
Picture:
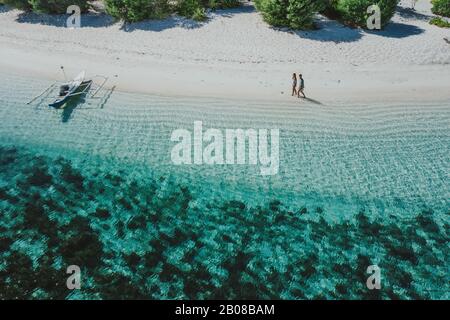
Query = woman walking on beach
x=302 y=86
x=294 y=84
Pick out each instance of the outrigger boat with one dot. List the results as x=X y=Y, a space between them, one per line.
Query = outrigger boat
x=79 y=86
x=74 y=88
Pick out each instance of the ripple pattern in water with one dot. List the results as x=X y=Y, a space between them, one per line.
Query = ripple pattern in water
x=358 y=185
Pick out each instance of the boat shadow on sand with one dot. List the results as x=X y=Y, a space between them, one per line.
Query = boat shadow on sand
x=82 y=103
x=70 y=107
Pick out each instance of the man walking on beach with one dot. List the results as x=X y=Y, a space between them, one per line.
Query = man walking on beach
x=301 y=86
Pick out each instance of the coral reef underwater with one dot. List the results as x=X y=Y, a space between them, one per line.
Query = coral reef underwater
x=151 y=238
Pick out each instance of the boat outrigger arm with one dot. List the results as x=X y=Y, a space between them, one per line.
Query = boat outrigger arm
x=77 y=87
x=100 y=87
x=42 y=93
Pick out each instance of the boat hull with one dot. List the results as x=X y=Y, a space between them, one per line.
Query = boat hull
x=77 y=93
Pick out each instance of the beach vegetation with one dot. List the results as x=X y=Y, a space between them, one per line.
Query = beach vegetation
x=441 y=7
x=57 y=6
x=19 y=4
x=47 y=6
x=438 y=21
x=191 y=9
x=222 y=4
x=354 y=12
x=197 y=9
x=137 y=10
x=295 y=14
x=200 y=14
x=329 y=9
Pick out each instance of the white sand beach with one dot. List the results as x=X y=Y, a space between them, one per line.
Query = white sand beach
x=235 y=54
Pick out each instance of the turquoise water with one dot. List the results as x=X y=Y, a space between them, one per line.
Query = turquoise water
x=94 y=186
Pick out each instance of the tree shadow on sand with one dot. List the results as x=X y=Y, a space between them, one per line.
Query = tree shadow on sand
x=70 y=107
x=175 y=21
x=397 y=30
x=331 y=31
x=4 y=8
x=409 y=13
x=88 y=20
x=81 y=103
x=334 y=31
x=161 y=25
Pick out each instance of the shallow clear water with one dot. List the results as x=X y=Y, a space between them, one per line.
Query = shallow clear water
x=358 y=185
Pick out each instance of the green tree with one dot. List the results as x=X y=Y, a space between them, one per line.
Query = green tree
x=222 y=4
x=354 y=12
x=274 y=12
x=137 y=10
x=188 y=8
x=57 y=6
x=296 y=14
x=441 y=7
x=19 y=4
x=301 y=13
x=47 y=6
